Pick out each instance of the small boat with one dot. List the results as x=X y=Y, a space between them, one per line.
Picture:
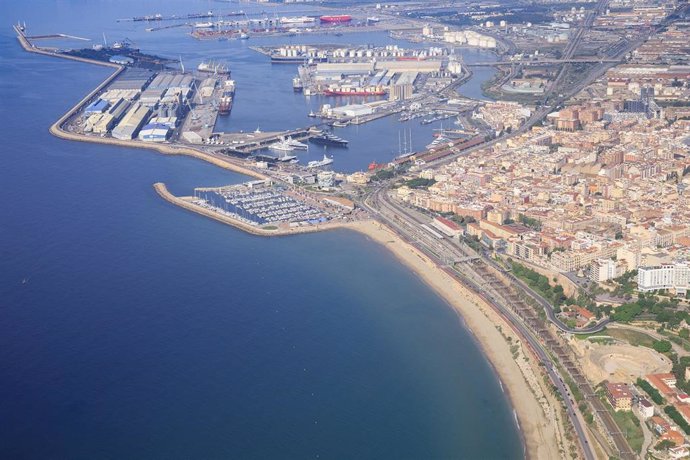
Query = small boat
x=297 y=85
x=296 y=144
x=328 y=139
x=312 y=114
x=244 y=36
x=317 y=164
x=287 y=158
x=213 y=67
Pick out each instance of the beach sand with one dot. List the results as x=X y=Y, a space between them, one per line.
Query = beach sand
x=538 y=430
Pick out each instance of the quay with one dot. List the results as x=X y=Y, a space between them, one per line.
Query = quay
x=247 y=143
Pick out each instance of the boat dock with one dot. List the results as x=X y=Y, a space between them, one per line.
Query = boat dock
x=248 y=143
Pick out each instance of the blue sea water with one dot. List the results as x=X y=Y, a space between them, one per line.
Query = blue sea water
x=132 y=329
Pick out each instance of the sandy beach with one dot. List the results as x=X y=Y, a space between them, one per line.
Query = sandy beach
x=540 y=435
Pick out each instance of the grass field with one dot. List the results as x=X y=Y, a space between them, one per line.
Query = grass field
x=632 y=337
x=629 y=425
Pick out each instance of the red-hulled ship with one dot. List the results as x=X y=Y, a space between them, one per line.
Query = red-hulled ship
x=373 y=166
x=336 y=18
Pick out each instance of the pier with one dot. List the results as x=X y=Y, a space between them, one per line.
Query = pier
x=248 y=143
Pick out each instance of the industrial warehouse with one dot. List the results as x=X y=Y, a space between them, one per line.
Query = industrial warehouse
x=148 y=106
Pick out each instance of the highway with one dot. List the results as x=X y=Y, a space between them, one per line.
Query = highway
x=543 y=61
x=461 y=263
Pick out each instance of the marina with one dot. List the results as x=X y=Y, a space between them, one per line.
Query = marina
x=271 y=207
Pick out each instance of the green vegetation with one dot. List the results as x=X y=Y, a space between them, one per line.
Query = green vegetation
x=460 y=220
x=651 y=391
x=539 y=283
x=574 y=389
x=630 y=427
x=514 y=350
x=529 y=222
x=589 y=418
x=664 y=445
x=662 y=346
x=678 y=418
x=625 y=284
x=679 y=366
x=270 y=227
x=664 y=311
x=383 y=174
x=594 y=336
x=473 y=242
x=634 y=338
x=419 y=183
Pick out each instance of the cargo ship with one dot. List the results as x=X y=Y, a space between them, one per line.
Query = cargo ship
x=297 y=20
x=339 y=18
x=213 y=67
x=329 y=139
x=277 y=58
x=225 y=105
x=352 y=91
x=226 y=99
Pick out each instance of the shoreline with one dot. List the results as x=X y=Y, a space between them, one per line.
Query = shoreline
x=538 y=438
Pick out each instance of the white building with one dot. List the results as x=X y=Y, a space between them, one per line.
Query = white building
x=154 y=132
x=604 y=270
x=668 y=276
x=645 y=408
x=325 y=179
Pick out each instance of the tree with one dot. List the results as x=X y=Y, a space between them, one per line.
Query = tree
x=662 y=346
x=684 y=333
x=665 y=444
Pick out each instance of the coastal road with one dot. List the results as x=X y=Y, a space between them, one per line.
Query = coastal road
x=444 y=251
x=546 y=305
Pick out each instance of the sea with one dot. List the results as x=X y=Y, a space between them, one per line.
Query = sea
x=130 y=328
